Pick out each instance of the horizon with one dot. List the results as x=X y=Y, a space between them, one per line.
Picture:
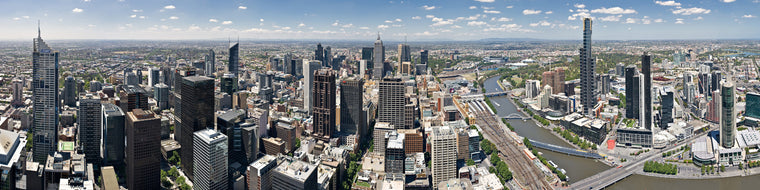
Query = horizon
x=396 y=20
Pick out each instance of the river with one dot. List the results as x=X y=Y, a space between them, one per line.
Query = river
x=577 y=168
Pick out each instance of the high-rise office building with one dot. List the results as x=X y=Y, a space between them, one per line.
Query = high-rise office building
x=89 y=118
x=294 y=175
x=210 y=157
x=161 y=94
x=716 y=78
x=133 y=97
x=444 y=154
x=210 y=63
x=327 y=58
x=234 y=62
x=45 y=99
x=404 y=53
x=362 y=68
x=532 y=88
x=587 y=70
x=367 y=56
x=112 y=143
x=688 y=83
x=646 y=70
x=18 y=92
x=752 y=109
x=143 y=149
x=228 y=84
x=631 y=92
x=352 y=117
x=391 y=102
x=154 y=76
x=319 y=54
x=394 y=153
x=323 y=114
x=258 y=175
x=197 y=114
x=309 y=67
x=70 y=92
x=378 y=59
x=423 y=57
x=727 y=115
x=130 y=78
x=666 y=107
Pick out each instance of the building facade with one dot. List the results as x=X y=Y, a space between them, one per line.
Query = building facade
x=143 y=149
x=210 y=160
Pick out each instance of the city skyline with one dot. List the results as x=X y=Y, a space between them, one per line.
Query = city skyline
x=394 y=20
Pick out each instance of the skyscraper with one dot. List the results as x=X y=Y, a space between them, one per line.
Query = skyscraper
x=666 y=107
x=161 y=94
x=646 y=70
x=631 y=92
x=727 y=115
x=89 y=118
x=327 y=58
x=444 y=154
x=378 y=57
x=210 y=63
x=404 y=53
x=154 y=76
x=352 y=117
x=143 y=152
x=197 y=114
x=45 y=97
x=367 y=56
x=234 y=63
x=716 y=79
x=70 y=92
x=391 y=102
x=587 y=70
x=319 y=54
x=228 y=83
x=210 y=165
x=424 y=57
x=324 y=103
x=112 y=150
x=18 y=92
x=309 y=66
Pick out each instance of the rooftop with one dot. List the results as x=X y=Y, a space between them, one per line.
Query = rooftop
x=210 y=136
x=296 y=169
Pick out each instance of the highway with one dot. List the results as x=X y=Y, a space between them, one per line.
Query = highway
x=613 y=175
x=524 y=171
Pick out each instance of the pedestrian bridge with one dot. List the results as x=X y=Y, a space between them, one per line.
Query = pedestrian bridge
x=565 y=150
x=495 y=94
x=516 y=116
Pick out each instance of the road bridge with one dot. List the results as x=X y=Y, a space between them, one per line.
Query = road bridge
x=564 y=150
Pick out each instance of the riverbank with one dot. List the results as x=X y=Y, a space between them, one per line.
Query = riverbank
x=689 y=171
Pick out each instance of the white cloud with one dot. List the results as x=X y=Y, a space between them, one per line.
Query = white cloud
x=679 y=21
x=169 y=7
x=491 y=11
x=659 y=20
x=193 y=28
x=335 y=23
x=511 y=6
x=728 y=1
x=580 y=6
x=77 y=10
x=579 y=14
x=541 y=23
x=691 y=11
x=429 y=16
x=502 y=19
x=456 y=26
x=416 y=17
x=173 y=17
x=441 y=22
x=531 y=12
x=16 y=18
x=668 y=3
x=27 y=17
x=426 y=7
x=364 y=28
x=86 y=0
x=227 y=22
x=473 y=7
x=486 y=8
x=611 y=18
x=142 y=17
x=347 y=25
x=132 y=16
x=388 y=21
x=630 y=20
x=398 y=20
x=613 y=10
x=261 y=20
x=242 y=7
x=285 y=28
x=485 y=1
x=91 y=25
x=476 y=23
x=301 y=25
x=749 y=16
x=213 y=20
x=137 y=10
x=508 y=28
x=426 y=33
x=548 y=12
x=382 y=26
x=646 y=21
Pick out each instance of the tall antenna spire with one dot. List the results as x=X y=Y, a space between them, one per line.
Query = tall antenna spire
x=39 y=32
x=378 y=35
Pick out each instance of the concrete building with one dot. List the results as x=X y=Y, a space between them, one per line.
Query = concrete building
x=413 y=141
x=70 y=92
x=294 y=175
x=210 y=160
x=352 y=116
x=112 y=142
x=631 y=92
x=727 y=115
x=209 y=67
x=666 y=107
x=133 y=97
x=143 y=149
x=196 y=113
x=323 y=114
x=463 y=142
x=532 y=88
x=161 y=94
x=228 y=84
x=154 y=76
x=587 y=71
x=89 y=119
x=45 y=99
x=646 y=70
x=394 y=153
x=391 y=102
x=444 y=154
x=258 y=176
x=309 y=66
x=378 y=59
x=378 y=135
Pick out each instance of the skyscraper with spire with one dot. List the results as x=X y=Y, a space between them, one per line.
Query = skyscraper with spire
x=45 y=96
x=210 y=66
x=587 y=70
x=234 y=62
x=378 y=57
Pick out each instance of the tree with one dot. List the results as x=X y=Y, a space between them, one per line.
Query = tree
x=173 y=173
x=470 y=162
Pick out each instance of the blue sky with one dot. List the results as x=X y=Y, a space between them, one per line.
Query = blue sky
x=418 y=20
